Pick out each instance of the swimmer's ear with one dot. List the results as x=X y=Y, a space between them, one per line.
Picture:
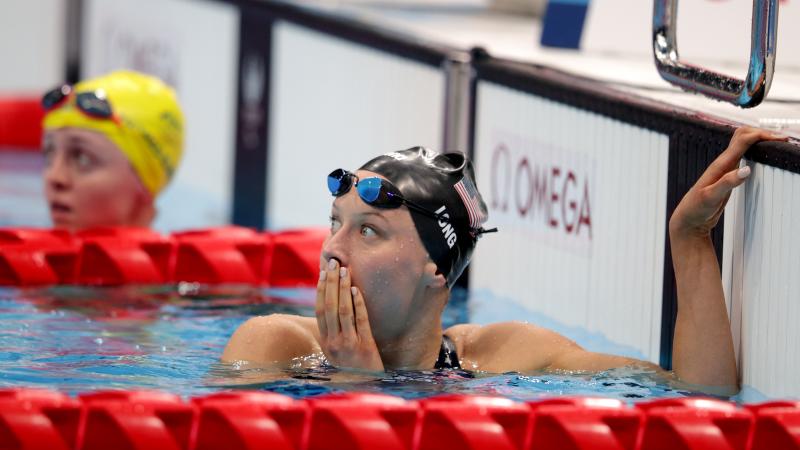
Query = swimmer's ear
x=434 y=278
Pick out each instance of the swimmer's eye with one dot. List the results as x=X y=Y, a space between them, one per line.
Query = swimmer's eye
x=335 y=224
x=82 y=159
x=368 y=231
x=48 y=153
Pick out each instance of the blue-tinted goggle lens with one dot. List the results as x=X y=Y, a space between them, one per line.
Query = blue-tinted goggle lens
x=339 y=182
x=373 y=191
x=376 y=192
x=369 y=189
x=334 y=184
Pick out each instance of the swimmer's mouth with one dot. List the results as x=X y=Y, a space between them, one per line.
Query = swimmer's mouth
x=59 y=208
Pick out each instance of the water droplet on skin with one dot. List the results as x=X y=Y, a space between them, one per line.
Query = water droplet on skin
x=396 y=259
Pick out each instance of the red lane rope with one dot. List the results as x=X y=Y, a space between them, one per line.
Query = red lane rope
x=34 y=418
x=118 y=256
x=20 y=123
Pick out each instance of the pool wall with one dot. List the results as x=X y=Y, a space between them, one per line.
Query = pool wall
x=582 y=192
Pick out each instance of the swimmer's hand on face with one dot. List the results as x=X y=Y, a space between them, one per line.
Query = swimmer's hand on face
x=345 y=335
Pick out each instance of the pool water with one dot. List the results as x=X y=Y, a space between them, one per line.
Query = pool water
x=170 y=338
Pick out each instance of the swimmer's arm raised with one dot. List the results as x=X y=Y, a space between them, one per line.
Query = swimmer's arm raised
x=272 y=340
x=703 y=345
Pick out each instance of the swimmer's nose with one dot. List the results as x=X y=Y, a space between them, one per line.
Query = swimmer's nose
x=56 y=173
x=333 y=248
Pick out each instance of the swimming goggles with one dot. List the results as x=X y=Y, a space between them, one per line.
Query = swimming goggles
x=375 y=192
x=92 y=103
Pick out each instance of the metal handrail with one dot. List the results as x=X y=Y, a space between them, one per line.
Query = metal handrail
x=746 y=93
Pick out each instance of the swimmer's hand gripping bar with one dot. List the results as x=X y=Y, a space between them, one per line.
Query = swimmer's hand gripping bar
x=746 y=93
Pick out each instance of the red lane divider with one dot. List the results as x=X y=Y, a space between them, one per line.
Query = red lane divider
x=31 y=257
x=124 y=256
x=21 y=122
x=474 y=422
x=777 y=425
x=585 y=423
x=361 y=422
x=225 y=255
x=137 y=420
x=295 y=258
x=695 y=423
x=132 y=420
x=117 y=256
x=39 y=419
x=250 y=421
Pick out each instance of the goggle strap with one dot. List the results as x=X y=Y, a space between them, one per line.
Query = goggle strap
x=426 y=211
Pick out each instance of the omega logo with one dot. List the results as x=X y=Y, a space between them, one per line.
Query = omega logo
x=556 y=195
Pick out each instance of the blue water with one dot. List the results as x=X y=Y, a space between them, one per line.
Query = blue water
x=82 y=339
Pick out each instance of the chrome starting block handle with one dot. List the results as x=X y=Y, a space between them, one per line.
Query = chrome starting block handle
x=746 y=93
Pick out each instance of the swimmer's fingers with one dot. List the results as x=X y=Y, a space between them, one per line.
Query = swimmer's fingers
x=362 y=319
x=700 y=210
x=717 y=194
x=332 y=298
x=743 y=138
x=319 y=309
x=346 y=303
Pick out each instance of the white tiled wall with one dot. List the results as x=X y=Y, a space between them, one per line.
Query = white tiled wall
x=610 y=283
x=764 y=281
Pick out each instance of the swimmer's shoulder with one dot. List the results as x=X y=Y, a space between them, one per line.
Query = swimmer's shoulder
x=507 y=346
x=273 y=339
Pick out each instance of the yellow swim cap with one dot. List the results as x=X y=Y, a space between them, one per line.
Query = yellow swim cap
x=150 y=126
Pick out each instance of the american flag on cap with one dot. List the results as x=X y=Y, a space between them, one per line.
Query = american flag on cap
x=469 y=195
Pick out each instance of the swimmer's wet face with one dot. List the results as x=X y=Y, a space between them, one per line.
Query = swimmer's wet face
x=386 y=259
x=405 y=225
x=89 y=182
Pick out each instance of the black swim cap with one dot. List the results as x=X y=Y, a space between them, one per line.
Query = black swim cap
x=444 y=183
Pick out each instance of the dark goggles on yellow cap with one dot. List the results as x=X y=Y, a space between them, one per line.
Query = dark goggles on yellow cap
x=94 y=104
x=375 y=191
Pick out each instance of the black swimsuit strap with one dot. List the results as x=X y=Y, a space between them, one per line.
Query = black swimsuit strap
x=448 y=357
